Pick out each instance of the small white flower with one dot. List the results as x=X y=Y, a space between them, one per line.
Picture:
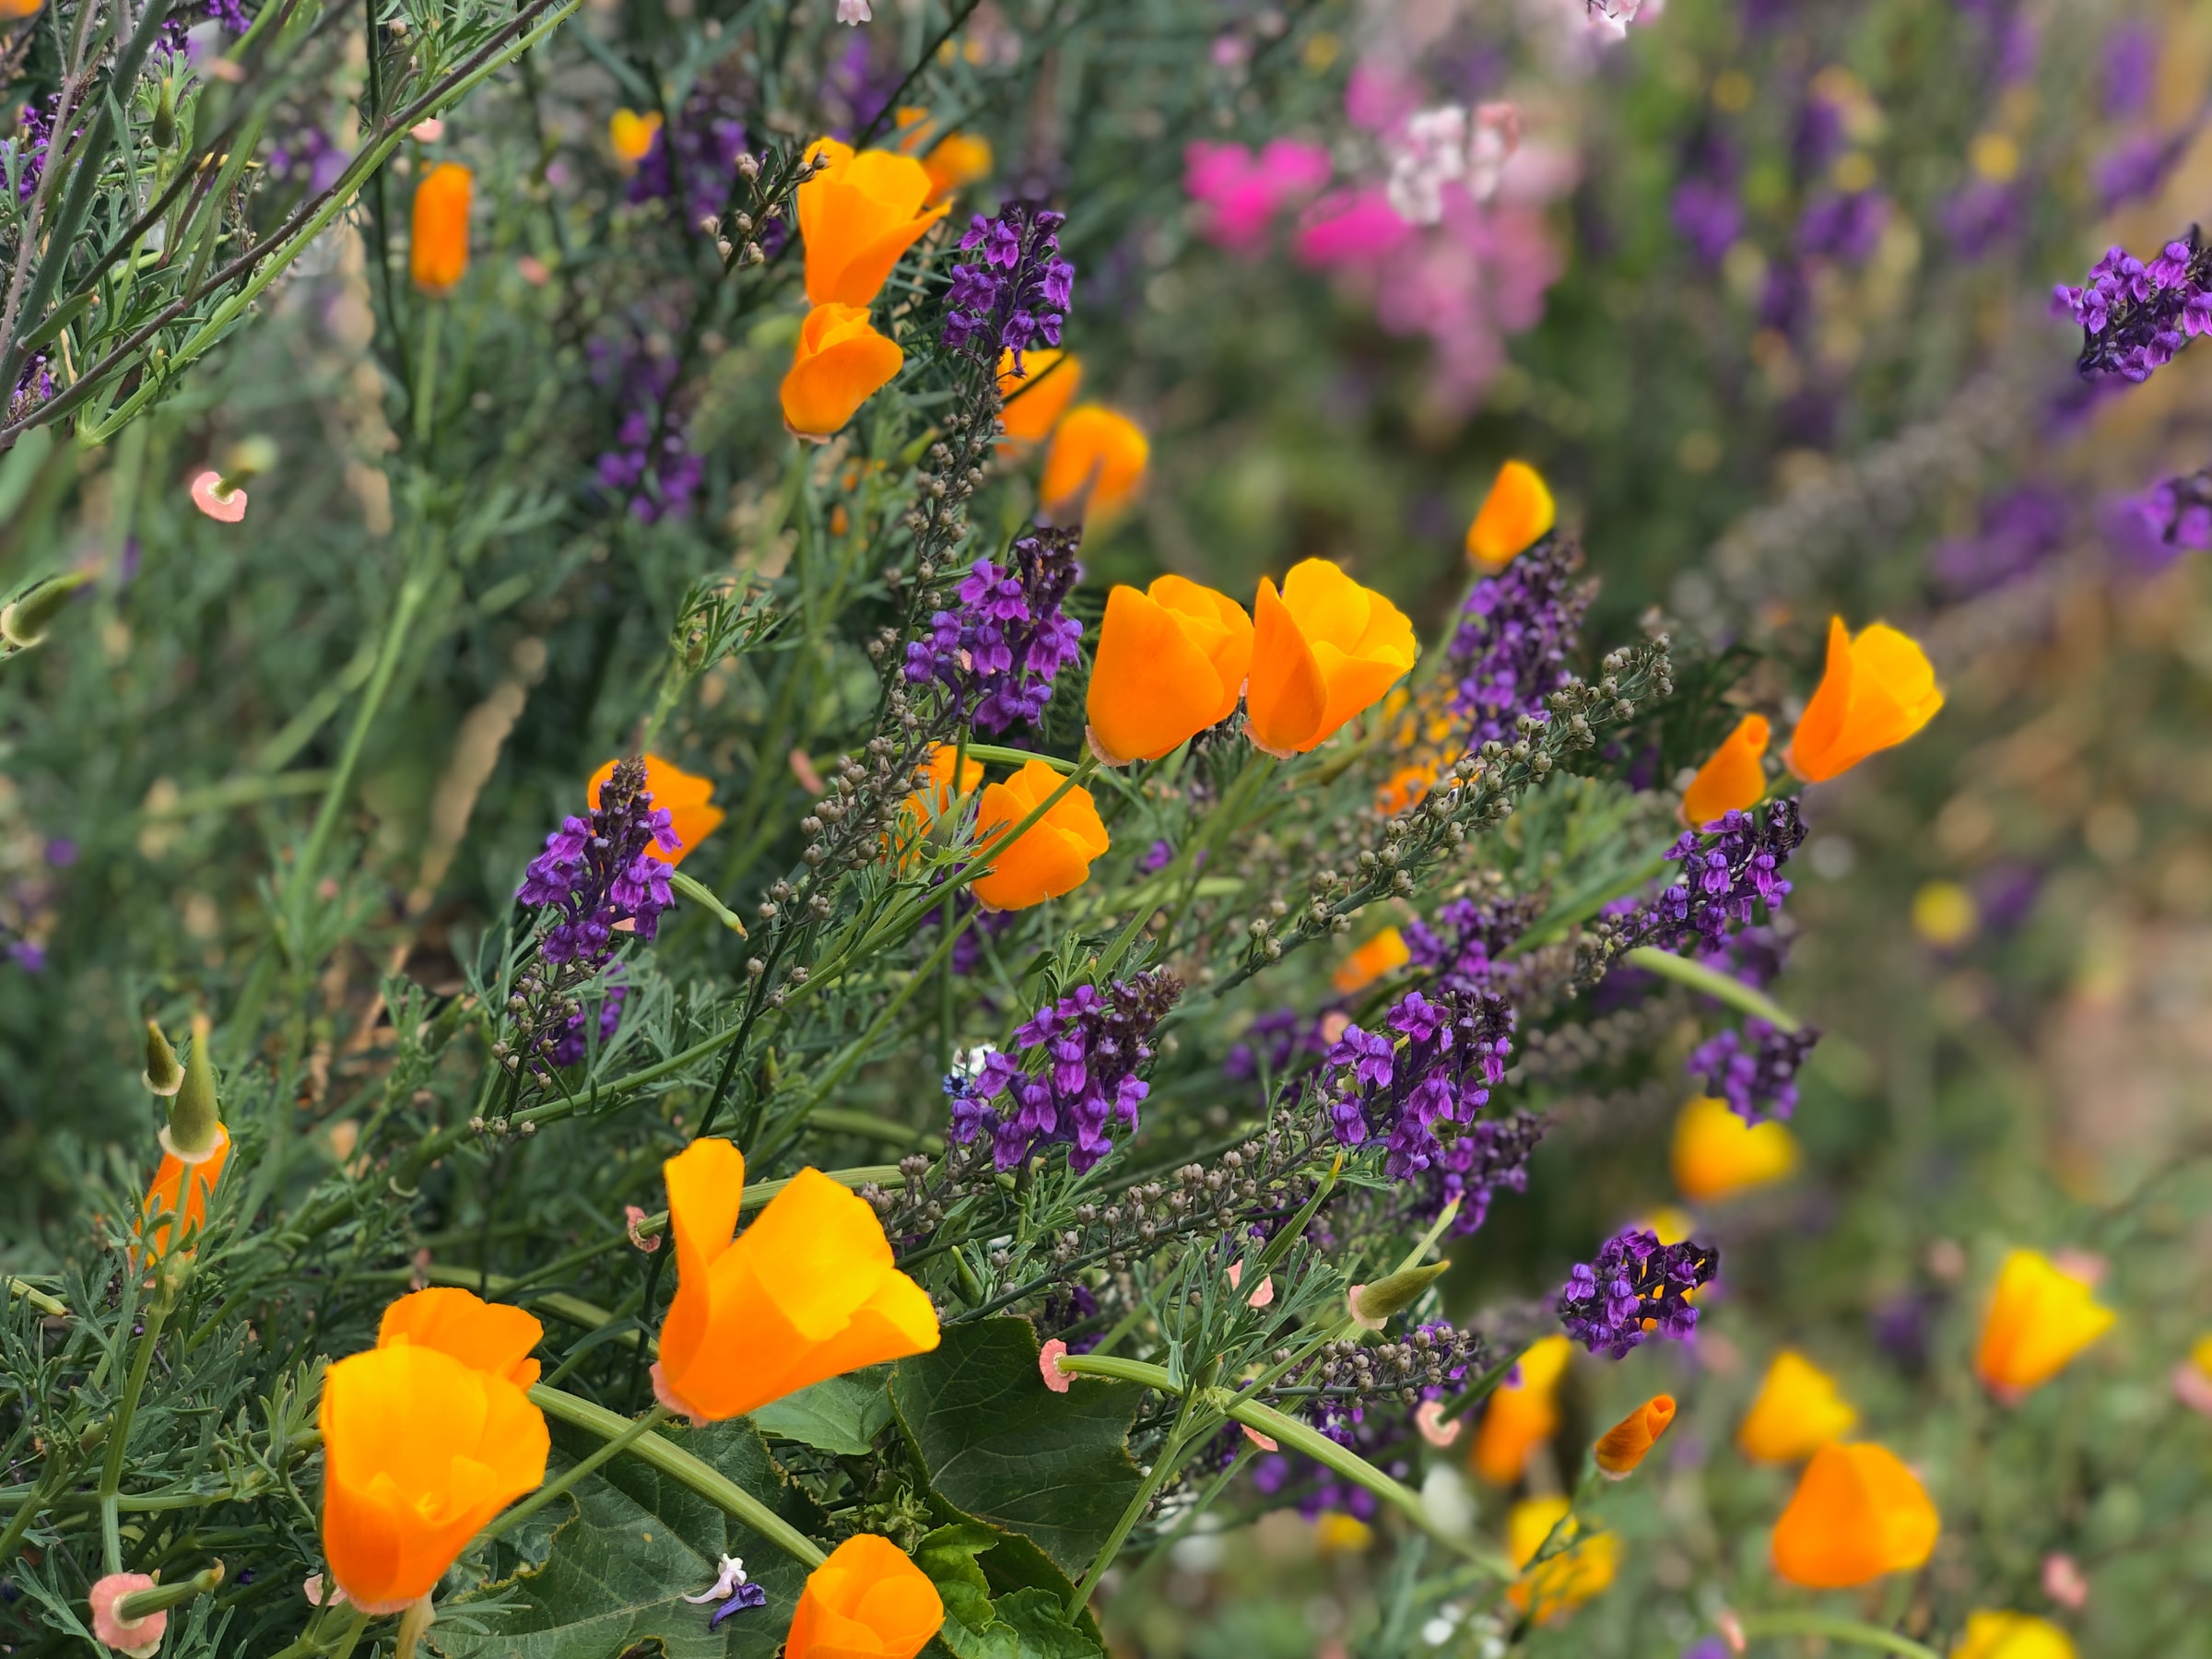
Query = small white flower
x=733 y=1569
x=854 y=12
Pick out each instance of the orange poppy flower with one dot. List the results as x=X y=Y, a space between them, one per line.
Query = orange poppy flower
x=438 y=241
x=935 y=797
x=631 y=137
x=1364 y=966
x=1797 y=1411
x=1323 y=650
x=1035 y=401
x=1717 y=1155
x=858 y=216
x=1857 y=1514
x=419 y=1450
x=486 y=1337
x=1170 y=663
x=807 y=1292
x=176 y=1200
x=1879 y=688
x=1733 y=780
x=951 y=161
x=1052 y=856
x=1095 y=468
x=1570 y=1578
x=867 y=1601
x=1522 y=1416
x=1623 y=1446
x=839 y=363
x=685 y=796
x=2039 y=1317
x=1516 y=514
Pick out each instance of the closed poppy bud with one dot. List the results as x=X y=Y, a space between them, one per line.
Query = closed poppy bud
x=24 y=623
x=1034 y=402
x=1879 y=688
x=1717 y=1155
x=1322 y=651
x=1170 y=663
x=176 y=1200
x=1733 y=780
x=867 y=1601
x=419 y=1450
x=437 y=244
x=2012 y=1636
x=1797 y=1411
x=808 y=1292
x=631 y=137
x=1568 y=1579
x=686 y=798
x=1051 y=856
x=1095 y=467
x=841 y=362
x=1857 y=1514
x=1370 y=962
x=162 y=1074
x=1516 y=514
x=487 y=1336
x=858 y=215
x=2039 y=1317
x=1622 y=1447
x=1521 y=1415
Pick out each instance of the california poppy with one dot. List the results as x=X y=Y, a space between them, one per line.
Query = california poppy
x=1095 y=467
x=1623 y=1446
x=867 y=1601
x=1568 y=1579
x=841 y=362
x=807 y=1292
x=1051 y=856
x=1717 y=1155
x=631 y=137
x=2039 y=1317
x=1034 y=402
x=438 y=240
x=686 y=797
x=1170 y=663
x=951 y=159
x=858 y=216
x=1733 y=780
x=1370 y=963
x=1857 y=1514
x=1798 y=1410
x=935 y=791
x=1323 y=650
x=176 y=1199
x=1516 y=514
x=487 y=1336
x=1879 y=688
x=1522 y=1413
x=194 y=1144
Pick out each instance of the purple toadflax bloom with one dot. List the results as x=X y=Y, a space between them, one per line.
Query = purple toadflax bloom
x=1605 y=1304
x=1509 y=651
x=2134 y=316
x=1756 y=1070
x=2178 y=511
x=574 y=1045
x=1016 y=292
x=1727 y=875
x=595 y=871
x=999 y=653
x=1454 y=1053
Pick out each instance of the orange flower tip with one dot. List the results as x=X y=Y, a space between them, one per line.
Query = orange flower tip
x=1623 y=1446
x=1516 y=514
x=2039 y=1317
x=1428 y=1416
x=866 y=1599
x=1263 y=1442
x=1048 y=1366
x=138 y=1637
x=1733 y=779
x=226 y=506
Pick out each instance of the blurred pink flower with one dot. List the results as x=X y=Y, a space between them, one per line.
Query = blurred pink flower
x=2063 y=1582
x=1238 y=194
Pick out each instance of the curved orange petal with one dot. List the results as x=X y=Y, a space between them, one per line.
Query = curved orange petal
x=841 y=361
x=706 y=1188
x=1857 y=1514
x=1152 y=685
x=1518 y=512
x=486 y=1337
x=1733 y=780
x=1285 y=696
x=867 y=1601
x=1035 y=402
x=1219 y=628
x=1096 y=463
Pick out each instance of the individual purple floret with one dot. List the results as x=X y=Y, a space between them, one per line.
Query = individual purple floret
x=2134 y=316
x=1454 y=1052
x=596 y=873
x=999 y=651
x=1488 y=1154
x=1093 y=1045
x=1509 y=651
x=1756 y=1070
x=1015 y=293
x=2178 y=511
x=1606 y=1303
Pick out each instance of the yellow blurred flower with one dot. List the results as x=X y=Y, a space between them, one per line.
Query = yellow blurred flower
x=1336 y=1532
x=1944 y=914
x=1521 y=1415
x=2012 y=1636
x=1798 y=1410
x=2039 y=1317
x=1564 y=1582
x=631 y=137
x=1717 y=1155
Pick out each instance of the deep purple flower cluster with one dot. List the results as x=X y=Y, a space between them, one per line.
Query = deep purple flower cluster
x=1605 y=1304
x=1016 y=293
x=999 y=651
x=1726 y=874
x=596 y=873
x=2178 y=511
x=1093 y=1045
x=1488 y=1154
x=698 y=151
x=1288 y=1040
x=1709 y=216
x=651 y=467
x=1464 y=942
x=1509 y=651
x=2134 y=316
x=1454 y=1053
x=573 y=1044
x=2019 y=530
x=1756 y=1070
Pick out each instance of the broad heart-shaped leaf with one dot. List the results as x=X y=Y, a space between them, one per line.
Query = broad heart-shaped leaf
x=636 y=1543
x=1024 y=1624
x=842 y=1415
x=1003 y=1448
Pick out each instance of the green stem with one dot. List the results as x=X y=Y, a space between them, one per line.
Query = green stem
x=701 y=894
x=139 y=1602
x=426 y=378
x=1840 y=1630
x=1722 y=987
x=554 y=1488
x=1165 y=1463
x=111 y=1473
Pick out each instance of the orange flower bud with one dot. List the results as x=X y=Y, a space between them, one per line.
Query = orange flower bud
x=1035 y=401
x=176 y=1200
x=1052 y=856
x=858 y=216
x=13 y=9
x=1858 y=1513
x=2039 y=1317
x=1522 y=1416
x=1797 y=1411
x=841 y=362
x=1717 y=1155
x=1170 y=663
x=1564 y=1582
x=438 y=244
x=419 y=1450
x=487 y=1336
x=2012 y=1636
x=867 y=1601
x=1323 y=650
x=1878 y=690
x=1364 y=966
x=1622 y=1447
x=684 y=796
x=1733 y=780
x=807 y=1293
x=1095 y=467
x=631 y=137
x=1516 y=514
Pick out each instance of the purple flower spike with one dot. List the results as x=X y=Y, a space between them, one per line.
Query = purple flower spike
x=1635 y=1281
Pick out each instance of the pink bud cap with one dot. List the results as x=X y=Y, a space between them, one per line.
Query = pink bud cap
x=208 y=496
x=137 y=1638
x=1048 y=1366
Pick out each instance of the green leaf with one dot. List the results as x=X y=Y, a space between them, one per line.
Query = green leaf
x=1001 y=1447
x=843 y=1415
x=1025 y=1624
x=635 y=1544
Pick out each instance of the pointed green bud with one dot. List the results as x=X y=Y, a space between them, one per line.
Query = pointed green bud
x=165 y=117
x=163 y=1075
x=194 y=1122
x=1372 y=1304
x=23 y=624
